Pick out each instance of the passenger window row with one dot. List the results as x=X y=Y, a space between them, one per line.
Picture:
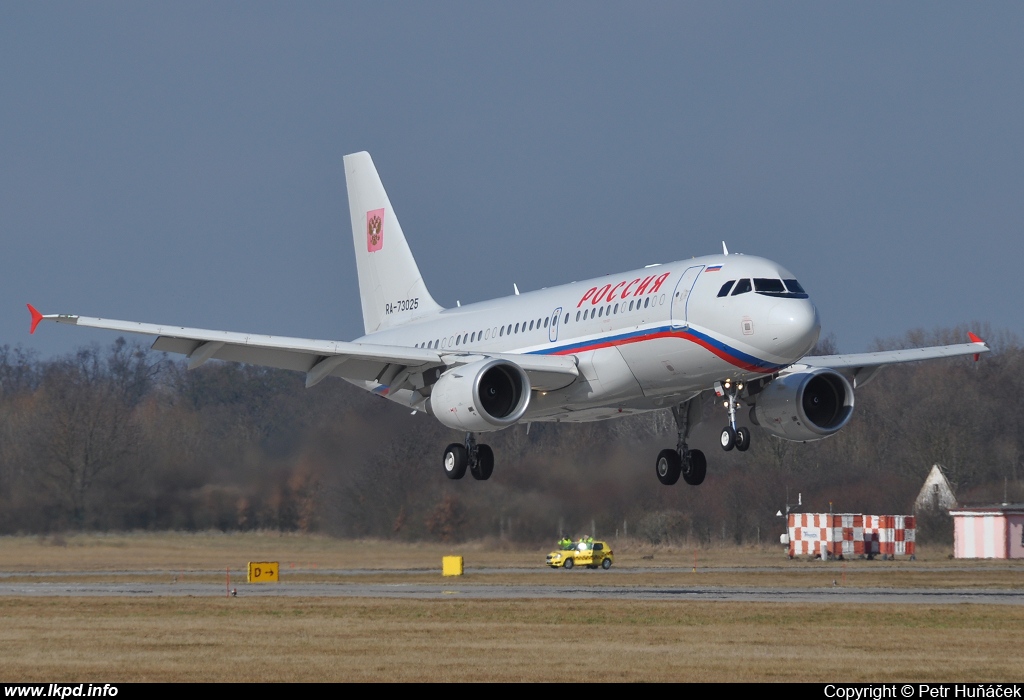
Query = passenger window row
x=610 y=309
x=539 y=324
x=501 y=331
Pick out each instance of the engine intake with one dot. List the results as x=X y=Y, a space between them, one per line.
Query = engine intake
x=805 y=406
x=481 y=396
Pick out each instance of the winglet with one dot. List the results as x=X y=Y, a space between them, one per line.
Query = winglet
x=975 y=339
x=36 y=318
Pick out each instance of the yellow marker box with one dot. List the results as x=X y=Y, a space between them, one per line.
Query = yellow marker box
x=263 y=572
x=451 y=566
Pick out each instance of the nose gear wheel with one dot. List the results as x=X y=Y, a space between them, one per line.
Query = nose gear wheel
x=742 y=439
x=727 y=438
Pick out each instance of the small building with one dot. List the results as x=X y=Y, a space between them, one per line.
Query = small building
x=989 y=532
x=936 y=494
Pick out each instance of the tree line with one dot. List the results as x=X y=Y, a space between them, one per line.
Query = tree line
x=124 y=438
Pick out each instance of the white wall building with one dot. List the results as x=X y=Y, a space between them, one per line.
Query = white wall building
x=989 y=532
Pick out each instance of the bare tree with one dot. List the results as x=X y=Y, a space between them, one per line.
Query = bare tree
x=85 y=427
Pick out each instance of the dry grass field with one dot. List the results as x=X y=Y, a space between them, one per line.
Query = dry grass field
x=350 y=639
x=218 y=639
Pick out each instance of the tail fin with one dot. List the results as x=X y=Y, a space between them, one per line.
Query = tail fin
x=390 y=285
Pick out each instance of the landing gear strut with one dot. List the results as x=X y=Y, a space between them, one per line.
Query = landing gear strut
x=731 y=435
x=691 y=464
x=479 y=459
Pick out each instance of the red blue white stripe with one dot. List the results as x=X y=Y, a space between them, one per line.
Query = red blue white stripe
x=726 y=352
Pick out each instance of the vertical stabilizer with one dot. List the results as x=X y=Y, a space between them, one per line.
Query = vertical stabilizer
x=390 y=285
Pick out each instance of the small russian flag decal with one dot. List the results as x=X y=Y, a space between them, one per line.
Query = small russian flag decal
x=713 y=268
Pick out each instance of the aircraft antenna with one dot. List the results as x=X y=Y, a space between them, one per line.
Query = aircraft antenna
x=515 y=288
x=725 y=250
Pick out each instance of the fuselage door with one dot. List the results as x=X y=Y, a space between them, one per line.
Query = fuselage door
x=553 y=327
x=681 y=296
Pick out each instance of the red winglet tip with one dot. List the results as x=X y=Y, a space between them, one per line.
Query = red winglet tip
x=974 y=338
x=36 y=318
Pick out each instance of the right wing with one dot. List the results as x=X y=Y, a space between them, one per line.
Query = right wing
x=396 y=366
x=862 y=367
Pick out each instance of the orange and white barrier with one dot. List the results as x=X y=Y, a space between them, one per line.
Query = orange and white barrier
x=841 y=535
x=898 y=535
x=808 y=534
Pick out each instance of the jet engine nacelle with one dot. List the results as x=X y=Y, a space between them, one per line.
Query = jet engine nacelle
x=805 y=406
x=481 y=396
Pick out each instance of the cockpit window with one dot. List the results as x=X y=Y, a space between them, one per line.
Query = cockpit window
x=742 y=287
x=794 y=287
x=771 y=287
x=724 y=291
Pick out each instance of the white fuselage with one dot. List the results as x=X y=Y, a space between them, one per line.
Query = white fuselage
x=643 y=339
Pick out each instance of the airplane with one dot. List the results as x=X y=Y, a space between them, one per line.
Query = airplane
x=733 y=326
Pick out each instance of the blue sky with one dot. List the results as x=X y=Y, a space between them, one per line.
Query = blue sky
x=182 y=162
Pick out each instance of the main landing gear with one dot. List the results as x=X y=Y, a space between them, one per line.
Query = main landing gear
x=691 y=464
x=731 y=435
x=479 y=459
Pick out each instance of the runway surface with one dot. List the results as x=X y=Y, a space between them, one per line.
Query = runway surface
x=448 y=590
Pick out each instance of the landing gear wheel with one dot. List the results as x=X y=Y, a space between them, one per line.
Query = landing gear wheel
x=696 y=468
x=456 y=459
x=742 y=439
x=569 y=563
x=484 y=465
x=606 y=564
x=668 y=467
x=728 y=438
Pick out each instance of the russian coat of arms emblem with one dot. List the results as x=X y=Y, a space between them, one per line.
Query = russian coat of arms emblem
x=374 y=230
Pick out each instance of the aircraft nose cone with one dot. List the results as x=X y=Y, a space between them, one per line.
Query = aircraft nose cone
x=795 y=326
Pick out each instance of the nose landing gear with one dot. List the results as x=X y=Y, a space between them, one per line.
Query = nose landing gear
x=732 y=436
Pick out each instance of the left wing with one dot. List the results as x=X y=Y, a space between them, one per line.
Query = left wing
x=401 y=367
x=860 y=368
